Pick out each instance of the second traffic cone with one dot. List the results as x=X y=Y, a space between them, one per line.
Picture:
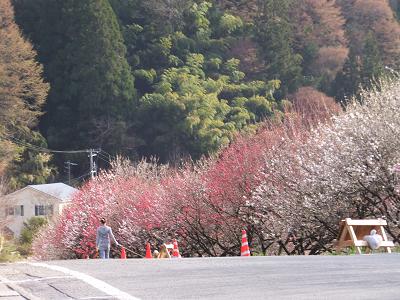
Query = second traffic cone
x=244 y=249
x=148 y=251
x=175 y=253
x=123 y=253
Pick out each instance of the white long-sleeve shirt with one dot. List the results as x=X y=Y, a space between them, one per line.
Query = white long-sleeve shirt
x=103 y=236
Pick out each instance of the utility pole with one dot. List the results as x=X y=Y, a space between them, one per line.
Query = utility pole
x=93 y=167
x=68 y=167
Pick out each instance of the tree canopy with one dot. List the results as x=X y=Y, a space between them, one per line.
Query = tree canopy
x=180 y=78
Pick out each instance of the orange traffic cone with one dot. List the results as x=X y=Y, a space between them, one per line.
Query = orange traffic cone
x=148 y=251
x=123 y=253
x=244 y=249
x=175 y=253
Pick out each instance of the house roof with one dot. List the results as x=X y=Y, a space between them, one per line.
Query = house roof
x=59 y=190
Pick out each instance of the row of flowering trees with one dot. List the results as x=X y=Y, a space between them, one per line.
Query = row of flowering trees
x=346 y=168
x=288 y=185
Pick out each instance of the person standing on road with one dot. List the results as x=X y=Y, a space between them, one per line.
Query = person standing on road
x=103 y=236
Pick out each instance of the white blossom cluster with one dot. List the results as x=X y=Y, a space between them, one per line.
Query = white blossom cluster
x=345 y=168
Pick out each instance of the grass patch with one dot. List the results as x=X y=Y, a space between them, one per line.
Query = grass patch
x=9 y=252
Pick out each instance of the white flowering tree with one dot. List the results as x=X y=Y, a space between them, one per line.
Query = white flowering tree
x=344 y=169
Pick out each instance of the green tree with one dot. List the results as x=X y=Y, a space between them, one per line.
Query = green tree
x=31 y=228
x=29 y=231
x=348 y=81
x=395 y=4
x=372 y=65
x=186 y=116
x=359 y=71
x=196 y=98
x=29 y=165
x=274 y=35
x=192 y=114
x=92 y=95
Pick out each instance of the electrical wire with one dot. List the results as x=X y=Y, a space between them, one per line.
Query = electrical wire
x=109 y=155
x=45 y=150
x=77 y=179
x=104 y=158
x=41 y=149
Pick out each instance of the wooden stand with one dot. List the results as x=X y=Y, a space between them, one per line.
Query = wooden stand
x=351 y=233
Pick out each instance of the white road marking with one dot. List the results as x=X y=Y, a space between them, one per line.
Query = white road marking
x=96 y=283
x=96 y=298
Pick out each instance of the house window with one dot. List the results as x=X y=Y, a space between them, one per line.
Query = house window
x=10 y=211
x=39 y=210
x=17 y=210
x=43 y=210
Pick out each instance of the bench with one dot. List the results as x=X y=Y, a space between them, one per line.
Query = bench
x=351 y=233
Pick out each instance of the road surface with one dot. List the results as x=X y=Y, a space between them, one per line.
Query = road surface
x=297 y=277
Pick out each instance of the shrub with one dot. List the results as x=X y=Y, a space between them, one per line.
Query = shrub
x=29 y=231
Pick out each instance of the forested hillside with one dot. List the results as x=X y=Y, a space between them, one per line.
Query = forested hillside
x=174 y=79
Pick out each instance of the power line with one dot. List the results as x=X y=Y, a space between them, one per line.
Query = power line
x=41 y=149
x=109 y=155
x=92 y=153
x=77 y=179
x=104 y=158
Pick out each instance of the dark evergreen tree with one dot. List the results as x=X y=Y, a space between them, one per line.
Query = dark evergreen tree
x=395 y=5
x=359 y=71
x=81 y=46
x=274 y=35
x=372 y=65
x=348 y=81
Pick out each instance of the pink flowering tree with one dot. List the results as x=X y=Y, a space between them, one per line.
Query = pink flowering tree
x=128 y=200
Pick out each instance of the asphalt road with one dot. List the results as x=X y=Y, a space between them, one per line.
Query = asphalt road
x=302 y=277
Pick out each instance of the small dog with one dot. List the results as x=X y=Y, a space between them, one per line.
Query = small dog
x=164 y=253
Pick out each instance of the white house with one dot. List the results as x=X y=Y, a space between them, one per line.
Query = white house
x=34 y=200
